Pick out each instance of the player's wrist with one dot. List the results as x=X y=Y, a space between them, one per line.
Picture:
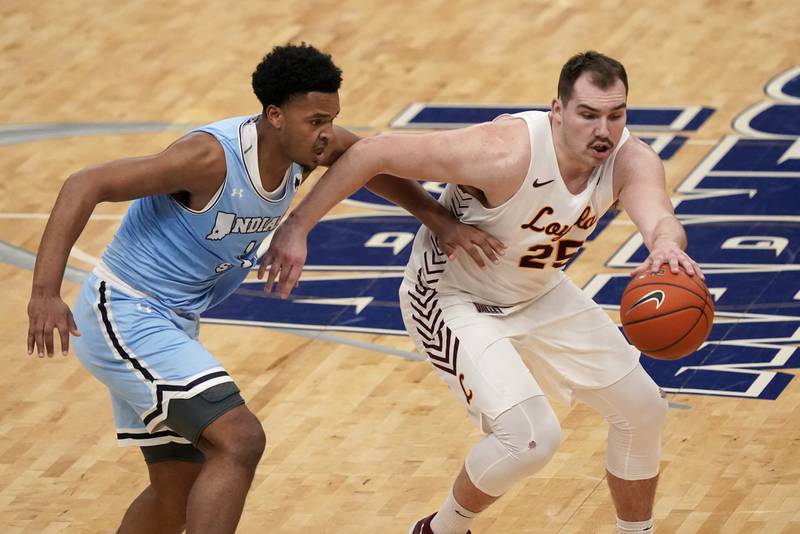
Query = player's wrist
x=299 y=222
x=45 y=291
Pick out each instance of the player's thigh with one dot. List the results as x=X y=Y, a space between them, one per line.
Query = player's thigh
x=570 y=335
x=469 y=351
x=633 y=402
x=149 y=358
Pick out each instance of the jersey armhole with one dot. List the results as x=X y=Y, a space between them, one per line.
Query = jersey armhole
x=213 y=200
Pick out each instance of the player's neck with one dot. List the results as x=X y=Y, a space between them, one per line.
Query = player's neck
x=272 y=160
x=574 y=173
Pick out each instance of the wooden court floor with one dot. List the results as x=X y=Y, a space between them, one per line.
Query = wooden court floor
x=360 y=441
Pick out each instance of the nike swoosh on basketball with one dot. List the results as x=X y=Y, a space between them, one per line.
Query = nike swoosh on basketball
x=657 y=296
x=537 y=183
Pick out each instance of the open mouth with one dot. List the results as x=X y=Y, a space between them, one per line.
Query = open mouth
x=600 y=149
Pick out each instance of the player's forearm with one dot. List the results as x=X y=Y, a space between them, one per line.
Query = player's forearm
x=70 y=213
x=669 y=229
x=411 y=196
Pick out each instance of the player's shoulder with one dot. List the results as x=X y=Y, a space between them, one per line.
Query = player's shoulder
x=634 y=156
x=634 y=149
x=199 y=149
x=197 y=159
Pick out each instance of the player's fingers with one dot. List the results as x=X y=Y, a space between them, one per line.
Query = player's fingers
x=643 y=267
x=656 y=262
x=487 y=249
x=262 y=266
x=38 y=335
x=498 y=246
x=32 y=336
x=274 y=269
x=688 y=266
x=475 y=255
x=73 y=327
x=674 y=265
x=288 y=280
x=448 y=249
x=63 y=333
x=48 y=339
x=698 y=270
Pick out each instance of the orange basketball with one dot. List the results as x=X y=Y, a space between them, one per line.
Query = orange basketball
x=666 y=315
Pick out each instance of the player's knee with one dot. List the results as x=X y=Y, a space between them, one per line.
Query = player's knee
x=534 y=446
x=239 y=437
x=249 y=443
x=647 y=414
x=522 y=441
x=634 y=442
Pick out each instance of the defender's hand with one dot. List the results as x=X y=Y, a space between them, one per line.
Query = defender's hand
x=456 y=236
x=285 y=257
x=45 y=314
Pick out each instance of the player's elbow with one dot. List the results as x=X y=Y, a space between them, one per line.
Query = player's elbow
x=371 y=155
x=80 y=186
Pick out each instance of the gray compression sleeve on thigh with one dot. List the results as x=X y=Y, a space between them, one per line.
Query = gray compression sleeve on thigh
x=189 y=417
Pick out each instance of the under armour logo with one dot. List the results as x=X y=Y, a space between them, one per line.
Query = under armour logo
x=237 y=192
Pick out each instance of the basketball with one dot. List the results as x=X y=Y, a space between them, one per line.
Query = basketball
x=665 y=315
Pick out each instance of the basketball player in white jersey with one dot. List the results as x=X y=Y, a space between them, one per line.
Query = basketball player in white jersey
x=188 y=240
x=503 y=336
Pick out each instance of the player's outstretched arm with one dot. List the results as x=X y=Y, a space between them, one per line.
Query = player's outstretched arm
x=475 y=156
x=642 y=192
x=411 y=196
x=194 y=163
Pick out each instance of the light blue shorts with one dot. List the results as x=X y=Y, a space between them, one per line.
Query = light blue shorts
x=146 y=354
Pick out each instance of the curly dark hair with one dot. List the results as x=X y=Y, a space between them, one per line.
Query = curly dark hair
x=605 y=71
x=293 y=70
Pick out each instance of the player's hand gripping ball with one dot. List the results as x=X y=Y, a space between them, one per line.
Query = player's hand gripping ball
x=666 y=315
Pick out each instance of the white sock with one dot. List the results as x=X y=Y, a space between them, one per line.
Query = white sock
x=452 y=518
x=635 y=527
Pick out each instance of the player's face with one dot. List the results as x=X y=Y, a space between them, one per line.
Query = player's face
x=593 y=120
x=308 y=127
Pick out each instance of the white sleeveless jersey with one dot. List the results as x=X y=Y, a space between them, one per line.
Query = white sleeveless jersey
x=543 y=225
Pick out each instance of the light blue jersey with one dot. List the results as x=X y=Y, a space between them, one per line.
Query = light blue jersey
x=191 y=260
x=138 y=313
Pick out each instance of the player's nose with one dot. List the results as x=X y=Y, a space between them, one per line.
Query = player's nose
x=601 y=128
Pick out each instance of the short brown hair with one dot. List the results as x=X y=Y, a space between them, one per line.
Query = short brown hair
x=605 y=72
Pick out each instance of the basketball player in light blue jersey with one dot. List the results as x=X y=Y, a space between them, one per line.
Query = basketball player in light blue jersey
x=201 y=208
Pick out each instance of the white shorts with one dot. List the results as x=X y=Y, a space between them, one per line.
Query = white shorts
x=493 y=358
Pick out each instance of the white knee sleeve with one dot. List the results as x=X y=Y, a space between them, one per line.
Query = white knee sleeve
x=522 y=441
x=635 y=411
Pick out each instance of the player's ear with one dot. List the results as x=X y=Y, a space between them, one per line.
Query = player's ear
x=274 y=116
x=556 y=109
